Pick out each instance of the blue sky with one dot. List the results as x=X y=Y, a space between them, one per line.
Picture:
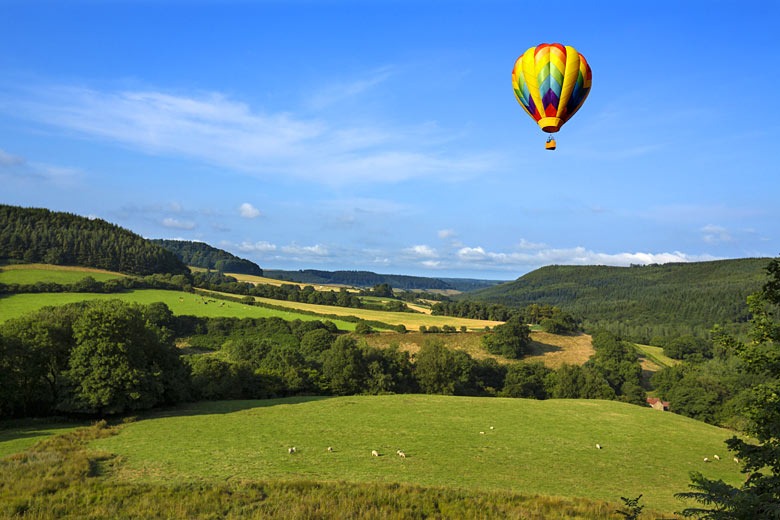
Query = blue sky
x=384 y=135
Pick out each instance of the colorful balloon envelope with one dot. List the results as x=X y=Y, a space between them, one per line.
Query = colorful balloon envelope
x=551 y=82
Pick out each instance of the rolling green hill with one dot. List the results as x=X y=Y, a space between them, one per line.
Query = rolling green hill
x=527 y=446
x=180 y=303
x=641 y=302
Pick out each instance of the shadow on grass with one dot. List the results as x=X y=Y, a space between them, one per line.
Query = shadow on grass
x=538 y=348
x=38 y=429
x=225 y=407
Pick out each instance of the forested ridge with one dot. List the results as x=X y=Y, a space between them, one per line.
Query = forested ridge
x=200 y=254
x=53 y=237
x=641 y=302
x=359 y=279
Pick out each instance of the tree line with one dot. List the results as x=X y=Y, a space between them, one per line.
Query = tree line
x=111 y=357
x=552 y=319
x=40 y=235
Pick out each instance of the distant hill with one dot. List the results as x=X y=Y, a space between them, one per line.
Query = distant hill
x=370 y=279
x=200 y=254
x=470 y=284
x=52 y=237
x=640 y=302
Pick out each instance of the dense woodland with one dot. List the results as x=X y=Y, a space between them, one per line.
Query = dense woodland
x=39 y=235
x=106 y=358
x=200 y=254
x=641 y=303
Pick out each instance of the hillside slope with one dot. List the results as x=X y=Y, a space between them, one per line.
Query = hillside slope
x=533 y=447
x=200 y=254
x=641 y=301
x=51 y=237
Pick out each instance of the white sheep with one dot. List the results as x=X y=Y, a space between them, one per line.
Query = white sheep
x=401 y=454
x=374 y=453
x=598 y=446
x=716 y=457
x=736 y=460
x=482 y=433
x=330 y=449
x=291 y=450
x=706 y=459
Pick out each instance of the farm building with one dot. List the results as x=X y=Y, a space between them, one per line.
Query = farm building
x=657 y=404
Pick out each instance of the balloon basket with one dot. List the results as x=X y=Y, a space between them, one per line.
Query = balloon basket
x=550 y=144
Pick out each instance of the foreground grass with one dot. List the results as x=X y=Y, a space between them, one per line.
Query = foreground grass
x=19 y=435
x=534 y=448
x=62 y=478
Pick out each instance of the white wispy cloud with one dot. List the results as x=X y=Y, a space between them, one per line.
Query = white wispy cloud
x=715 y=234
x=521 y=260
x=339 y=91
x=315 y=250
x=446 y=233
x=256 y=247
x=175 y=223
x=422 y=251
x=20 y=169
x=7 y=159
x=247 y=210
x=213 y=128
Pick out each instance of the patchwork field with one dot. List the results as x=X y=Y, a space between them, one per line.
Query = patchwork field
x=62 y=274
x=179 y=302
x=479 y=444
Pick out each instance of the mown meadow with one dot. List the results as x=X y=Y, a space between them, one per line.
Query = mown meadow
x=517 y=445
x=453 y=445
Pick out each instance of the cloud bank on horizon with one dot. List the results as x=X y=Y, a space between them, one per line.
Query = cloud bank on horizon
x=345 y=136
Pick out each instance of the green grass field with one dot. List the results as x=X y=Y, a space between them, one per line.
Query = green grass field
x=15 y=305
x=33 y=273
x=533 y=447
x=656 y=355
x=18 y=435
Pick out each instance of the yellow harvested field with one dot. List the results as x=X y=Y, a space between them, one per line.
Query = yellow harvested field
x=550 y=349
x=412 y=321
x=262 y=280
x=554 y=350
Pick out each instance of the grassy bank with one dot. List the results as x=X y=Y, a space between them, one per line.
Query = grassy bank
x=534 y=447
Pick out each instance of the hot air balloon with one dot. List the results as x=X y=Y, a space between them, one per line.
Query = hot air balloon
x=551 y=82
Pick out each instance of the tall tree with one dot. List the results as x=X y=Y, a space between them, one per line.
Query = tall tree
x=120 y=362
x=759 y=496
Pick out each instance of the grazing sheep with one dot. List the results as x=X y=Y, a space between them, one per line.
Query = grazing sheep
x=374 y=453
x=598 y=446
x=716 y=457
x=330 y=449
x=736 y=460
x=491 y=427
x=401 y=454
x=291 y=450
x=482 y=433
x=706 y=459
